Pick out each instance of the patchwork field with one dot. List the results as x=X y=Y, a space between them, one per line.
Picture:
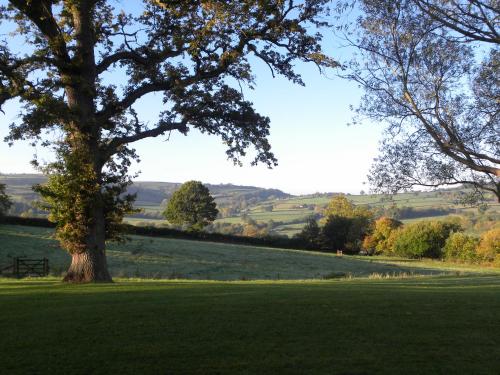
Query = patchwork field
x=425 y=325
x=293 y=211
x=289 y=211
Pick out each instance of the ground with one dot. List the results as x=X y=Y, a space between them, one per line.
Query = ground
x=438 y=325
x=354 y=315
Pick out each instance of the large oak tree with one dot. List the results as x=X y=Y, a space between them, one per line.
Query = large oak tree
x=197 y=54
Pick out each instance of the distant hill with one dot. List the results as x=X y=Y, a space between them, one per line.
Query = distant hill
x=149 y=193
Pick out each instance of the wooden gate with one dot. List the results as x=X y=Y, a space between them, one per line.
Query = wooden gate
x=23 y=267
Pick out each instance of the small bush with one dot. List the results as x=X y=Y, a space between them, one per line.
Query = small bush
x=462 y=247
x=424 y=239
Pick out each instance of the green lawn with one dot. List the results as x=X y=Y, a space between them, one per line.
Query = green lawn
x=434 y=322
x=434 y=325
x=149 y=257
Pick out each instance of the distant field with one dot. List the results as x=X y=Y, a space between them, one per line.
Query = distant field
x=290 y=210
x=295 y=208
x=415 y=326
x=171 y=258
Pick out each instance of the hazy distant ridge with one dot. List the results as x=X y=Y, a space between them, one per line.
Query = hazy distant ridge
x=148 y=192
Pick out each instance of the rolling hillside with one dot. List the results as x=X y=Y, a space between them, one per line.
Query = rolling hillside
x=285 y=213
x=150 y=194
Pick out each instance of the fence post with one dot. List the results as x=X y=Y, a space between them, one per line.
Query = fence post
x=16 y=267
x=45 y=266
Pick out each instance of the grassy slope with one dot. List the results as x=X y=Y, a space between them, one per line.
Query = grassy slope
x=170 y=258
x=414 y=326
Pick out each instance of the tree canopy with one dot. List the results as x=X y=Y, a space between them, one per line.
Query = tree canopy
x=192 y=205
x=430 y=70
x=195 y=54
x=5 y=201
x=345 y=224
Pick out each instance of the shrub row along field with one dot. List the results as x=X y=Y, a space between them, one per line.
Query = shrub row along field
x=414 y=326
x=172 y=258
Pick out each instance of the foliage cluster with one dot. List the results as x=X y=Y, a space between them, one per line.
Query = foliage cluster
x=5 y=201
x=71 y=193
x=424 y=239
x=192 y=206
x=489 y=247
x=311 y=234
x=343 y=228
x=433 y=239
x=380 y=237
x=461 y=247
x=352 y=229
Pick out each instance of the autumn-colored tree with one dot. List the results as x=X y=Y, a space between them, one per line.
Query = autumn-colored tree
x=195 y=54
x=489 y=247
x=378 y=240
x=345 y=224
x=461 y=247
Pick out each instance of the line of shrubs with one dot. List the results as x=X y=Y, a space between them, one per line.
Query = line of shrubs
x=432 y=239
x=28 y=221
x=270 y=241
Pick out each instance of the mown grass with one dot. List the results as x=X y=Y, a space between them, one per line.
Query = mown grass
x=149 y=257
x=412 y=326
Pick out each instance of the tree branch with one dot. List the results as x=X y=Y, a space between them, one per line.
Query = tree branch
x=463 y=27
x=135 y=56
x=40 y=13
x=162 y=127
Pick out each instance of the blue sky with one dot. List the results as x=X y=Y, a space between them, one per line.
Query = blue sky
x=316 y=150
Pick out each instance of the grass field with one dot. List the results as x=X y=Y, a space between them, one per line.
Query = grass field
x=148 y=257
x=428 y=317
x=447 y=325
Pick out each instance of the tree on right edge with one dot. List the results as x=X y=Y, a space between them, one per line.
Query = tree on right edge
x=431 y=70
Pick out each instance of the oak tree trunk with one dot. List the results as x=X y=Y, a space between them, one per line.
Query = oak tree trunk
x=89 y=266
